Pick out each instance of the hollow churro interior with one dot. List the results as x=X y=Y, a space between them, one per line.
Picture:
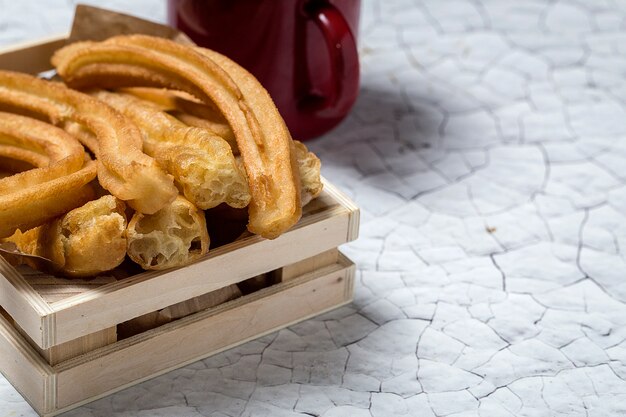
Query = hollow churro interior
x=309 y=167
x=173 y=236
x=209 y=181
x=202 y=163
x=84 y=232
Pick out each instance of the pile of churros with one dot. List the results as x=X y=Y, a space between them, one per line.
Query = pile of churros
x=143 y=141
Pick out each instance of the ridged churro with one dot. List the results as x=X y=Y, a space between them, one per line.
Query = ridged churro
x=262 y=137
x=86 y=241
x=123 y=168
x=193 y=113
x=188 y=110
x=59 y=184
x=202 y=164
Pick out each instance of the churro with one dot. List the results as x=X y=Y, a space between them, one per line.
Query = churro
x=86 y=241
x=188 y=110
x=202 y=164
x=123 y=168
x=59 y=184
x=262 y=136
x=194 y=113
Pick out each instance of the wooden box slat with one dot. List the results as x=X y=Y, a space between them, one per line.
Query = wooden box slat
x=61 y=353
x=25 y=369
x=53 y=289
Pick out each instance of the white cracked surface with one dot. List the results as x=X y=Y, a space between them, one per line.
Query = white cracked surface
x=487 y=153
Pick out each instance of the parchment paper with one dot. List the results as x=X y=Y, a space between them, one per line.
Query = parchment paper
x=96 y=24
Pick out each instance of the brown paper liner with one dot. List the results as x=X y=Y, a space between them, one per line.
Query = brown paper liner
x=96 y=24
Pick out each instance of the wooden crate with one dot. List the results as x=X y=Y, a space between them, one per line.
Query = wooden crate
x=64 y=343
x=54 y=389
x=327 y=222
x=69 y=371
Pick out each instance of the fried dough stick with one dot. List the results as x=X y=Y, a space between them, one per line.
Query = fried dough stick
x=123 y=168
x=201 y=163
x=196 y=114
x=86 y=241
x=262 y=136
x=59 y=184
x=188 y=110
x=171 y=237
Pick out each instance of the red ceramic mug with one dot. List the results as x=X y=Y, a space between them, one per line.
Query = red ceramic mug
x=303 y=51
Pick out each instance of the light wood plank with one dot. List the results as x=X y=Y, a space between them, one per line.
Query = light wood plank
x=23 y=304
x=80 y=346
x=289 y=272
x=53 y=289
x=26 y=370
x=177 y=311
x=348 y=204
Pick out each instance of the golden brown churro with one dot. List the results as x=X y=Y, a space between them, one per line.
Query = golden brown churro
x=30 y=207
x=188 y=110
x=262 y=136
x=84 y=242
x=123 y=168
x=55 y=152
x=196 y=114
x=30 y=198
x=202 y=163
x=171 y=237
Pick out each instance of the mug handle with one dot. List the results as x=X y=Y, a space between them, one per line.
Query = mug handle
x=344 y=60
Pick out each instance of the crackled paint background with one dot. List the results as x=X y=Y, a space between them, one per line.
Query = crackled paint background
x=487 y=152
